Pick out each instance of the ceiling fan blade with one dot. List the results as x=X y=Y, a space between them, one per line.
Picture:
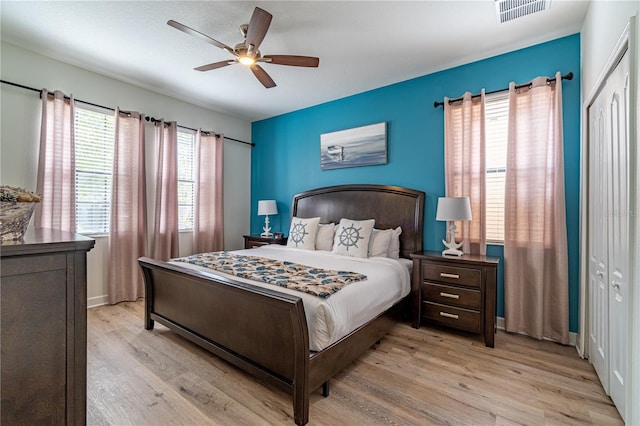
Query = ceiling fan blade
x=214 y=66
x=262 y=75
x=198 y=34
x=258 y=26
x=293 y=60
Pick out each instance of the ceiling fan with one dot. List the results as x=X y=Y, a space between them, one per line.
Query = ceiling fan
x=247 y=52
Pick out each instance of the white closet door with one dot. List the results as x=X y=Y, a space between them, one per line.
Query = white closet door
x=619 y=216
x=609 y=227
x=598 y=245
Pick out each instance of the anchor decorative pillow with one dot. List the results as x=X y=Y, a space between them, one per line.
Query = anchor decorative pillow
x=352 y=237
x=302 y=233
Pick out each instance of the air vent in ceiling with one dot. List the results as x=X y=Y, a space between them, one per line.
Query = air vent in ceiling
x=508 y=10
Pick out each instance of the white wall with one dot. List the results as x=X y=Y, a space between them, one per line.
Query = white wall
x=20 y=129
x=603 y=26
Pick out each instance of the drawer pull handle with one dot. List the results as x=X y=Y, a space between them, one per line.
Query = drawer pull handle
x=449 y=295
x=448 y=315
x=445 y=275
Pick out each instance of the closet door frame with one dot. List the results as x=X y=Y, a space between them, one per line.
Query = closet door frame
x=628 y=42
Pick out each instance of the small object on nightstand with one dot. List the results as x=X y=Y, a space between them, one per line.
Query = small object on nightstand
x=451 y=209
x=457 y=292
x=266 y=208
x=252 y=241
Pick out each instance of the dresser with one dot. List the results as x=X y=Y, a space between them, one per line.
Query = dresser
x=43 y=297
x=457 y=292
x=251 y=241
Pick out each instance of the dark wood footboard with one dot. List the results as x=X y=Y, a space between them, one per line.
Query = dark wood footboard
x=260 y=331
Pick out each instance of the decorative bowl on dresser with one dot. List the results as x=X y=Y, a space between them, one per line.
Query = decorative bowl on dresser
x=457 y=292
x=251 y=241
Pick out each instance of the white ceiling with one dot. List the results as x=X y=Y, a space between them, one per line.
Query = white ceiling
x=362 y=45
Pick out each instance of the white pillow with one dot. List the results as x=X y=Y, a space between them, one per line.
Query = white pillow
x=324 y=239
x=379 y=243
x=394 y=245
x=302 y=233
x=352 y=237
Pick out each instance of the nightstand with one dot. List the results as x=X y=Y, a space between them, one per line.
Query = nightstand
x=252 y=241
x=457 y=292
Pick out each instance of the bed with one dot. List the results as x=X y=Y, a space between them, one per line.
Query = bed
x=264 y=331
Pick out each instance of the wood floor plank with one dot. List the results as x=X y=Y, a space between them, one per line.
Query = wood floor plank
x=214 y=403
x=449 y=389
x=568 y=392
x=413 y=377
x=504 y=382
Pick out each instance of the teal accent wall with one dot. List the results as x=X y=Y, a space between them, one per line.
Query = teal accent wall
x=286 y=158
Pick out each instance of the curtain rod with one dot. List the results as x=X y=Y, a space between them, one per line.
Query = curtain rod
x=568 y=76
x=158 y=120
x=113 y=109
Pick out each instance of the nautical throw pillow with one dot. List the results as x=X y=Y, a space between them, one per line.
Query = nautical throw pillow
x=352 y=237
x=324 y=240
x=379 y=243
x=302 y=233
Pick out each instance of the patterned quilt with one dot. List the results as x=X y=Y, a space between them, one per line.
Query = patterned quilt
x=315 y=281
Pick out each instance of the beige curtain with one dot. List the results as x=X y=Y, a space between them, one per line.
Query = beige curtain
x=535 y=246
x=165 y=225
x=465 y=174
x=208 y=230
x=128 y=224
x=56 y=181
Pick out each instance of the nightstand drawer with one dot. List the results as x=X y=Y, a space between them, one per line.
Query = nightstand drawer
x=463 y=319
x=253 y=241
x=449 y=295
x=451 y=274
x=254 y=244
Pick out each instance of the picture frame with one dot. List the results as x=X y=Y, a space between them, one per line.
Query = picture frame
x=356 y=147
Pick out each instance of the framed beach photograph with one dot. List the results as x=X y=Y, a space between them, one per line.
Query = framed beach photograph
x=360 y=146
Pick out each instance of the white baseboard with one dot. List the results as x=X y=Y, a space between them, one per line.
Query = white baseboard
x=94 y=302
x=573 y=337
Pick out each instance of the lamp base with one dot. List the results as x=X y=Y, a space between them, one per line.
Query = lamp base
x=452 y=248
x=266 y=228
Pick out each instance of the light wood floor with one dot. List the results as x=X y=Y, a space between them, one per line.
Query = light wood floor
x=425 y=376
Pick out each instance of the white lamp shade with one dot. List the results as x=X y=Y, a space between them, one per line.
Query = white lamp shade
x=453 y=208
x=267 y=207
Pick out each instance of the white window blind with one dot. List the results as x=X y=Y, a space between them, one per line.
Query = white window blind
x=496 y=125
x=186 y=179
x=94 y=131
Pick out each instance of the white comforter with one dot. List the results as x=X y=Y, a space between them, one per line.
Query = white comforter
x=330 y=319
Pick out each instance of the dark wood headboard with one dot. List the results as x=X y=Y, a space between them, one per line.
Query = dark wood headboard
x=390 y=206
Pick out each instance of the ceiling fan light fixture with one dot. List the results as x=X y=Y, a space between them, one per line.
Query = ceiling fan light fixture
x=247 y=60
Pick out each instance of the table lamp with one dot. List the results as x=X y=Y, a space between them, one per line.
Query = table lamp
x=451 y=209
x=266 y=208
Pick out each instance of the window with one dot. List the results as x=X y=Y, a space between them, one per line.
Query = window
x=496 y=126
x=94 y=131
x=186 y=179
